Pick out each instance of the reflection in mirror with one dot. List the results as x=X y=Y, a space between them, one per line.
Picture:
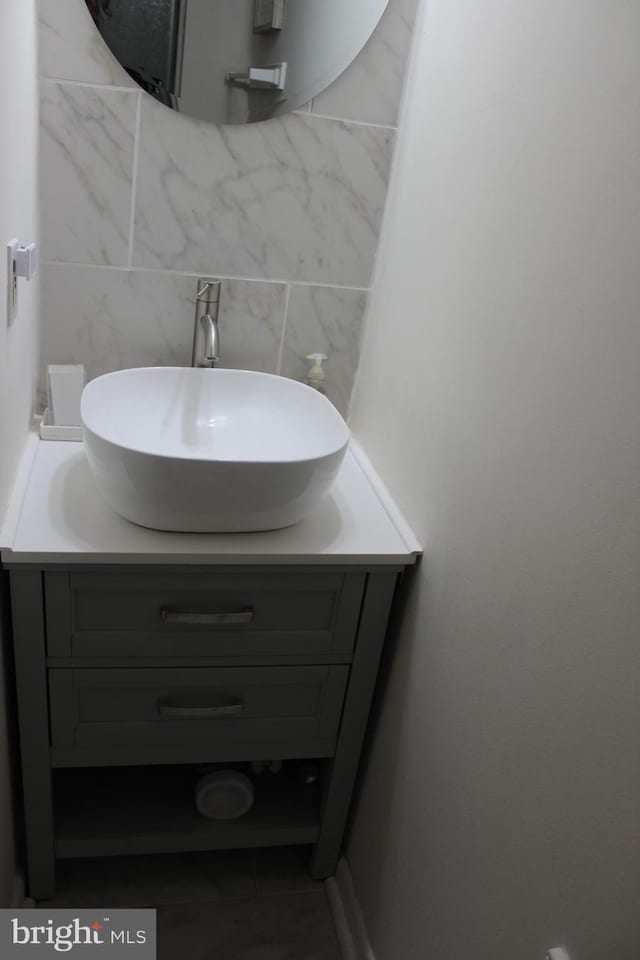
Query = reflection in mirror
x=235 y=61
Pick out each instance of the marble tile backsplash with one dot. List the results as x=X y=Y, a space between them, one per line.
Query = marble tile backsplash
x=137 y=202
x=87 y=144
x=324 y=320
x=296 y=198
x=109 y=319
x=70 y=47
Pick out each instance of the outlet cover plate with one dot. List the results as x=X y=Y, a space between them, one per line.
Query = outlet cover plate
x=12 y=282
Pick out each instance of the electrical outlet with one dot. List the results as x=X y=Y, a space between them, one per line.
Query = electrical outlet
x=12 y=282
x=21 y=262
x=557 y=953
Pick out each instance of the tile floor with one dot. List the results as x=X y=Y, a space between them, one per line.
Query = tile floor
x=224 y=905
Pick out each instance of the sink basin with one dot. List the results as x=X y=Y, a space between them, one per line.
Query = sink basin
x=191 y=449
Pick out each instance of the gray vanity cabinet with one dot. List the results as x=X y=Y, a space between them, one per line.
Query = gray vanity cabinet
x=131 y=680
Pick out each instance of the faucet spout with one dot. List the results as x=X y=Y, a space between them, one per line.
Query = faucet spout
x=206 y=334
x=211 y=348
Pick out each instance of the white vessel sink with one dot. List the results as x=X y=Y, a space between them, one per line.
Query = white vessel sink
x=191 y=449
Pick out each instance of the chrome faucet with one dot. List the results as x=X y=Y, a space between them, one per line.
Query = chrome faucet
x=206 y=336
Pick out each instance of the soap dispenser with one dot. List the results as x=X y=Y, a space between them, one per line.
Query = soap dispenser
x=316 y=377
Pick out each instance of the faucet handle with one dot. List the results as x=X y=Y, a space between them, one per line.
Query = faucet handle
x=208 y=291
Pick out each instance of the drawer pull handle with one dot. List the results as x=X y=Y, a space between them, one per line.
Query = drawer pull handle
x=169 y=708
x=180 y=616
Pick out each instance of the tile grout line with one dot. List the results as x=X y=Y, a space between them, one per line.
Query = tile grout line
x=287 y=298
x=94 y=85
x=309 y=113
x=134 y=180
x=355 y=123
x=125 y=268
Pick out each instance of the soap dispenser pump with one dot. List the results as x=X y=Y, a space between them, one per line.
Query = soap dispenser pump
x=316 y=376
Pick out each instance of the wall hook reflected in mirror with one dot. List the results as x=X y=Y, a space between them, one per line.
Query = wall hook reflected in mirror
x=270 y=77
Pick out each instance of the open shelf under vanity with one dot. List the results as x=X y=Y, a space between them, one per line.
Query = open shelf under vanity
x=109 y=811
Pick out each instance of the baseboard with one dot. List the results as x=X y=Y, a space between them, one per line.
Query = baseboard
x=347 y=915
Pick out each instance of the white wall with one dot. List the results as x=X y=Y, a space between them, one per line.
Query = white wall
x=18 y=123
x=499 y=397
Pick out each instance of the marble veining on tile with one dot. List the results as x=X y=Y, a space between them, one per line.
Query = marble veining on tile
x=251 y=321
x=72 y=49
x=86 y=163
x=293 y=198
x=111 y=319
x=325 y=320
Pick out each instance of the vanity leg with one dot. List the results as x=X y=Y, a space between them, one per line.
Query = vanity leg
x=369 y=642
x=31 y=685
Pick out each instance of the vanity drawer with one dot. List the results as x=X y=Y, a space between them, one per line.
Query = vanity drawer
x=232 y=615
x=212 y=713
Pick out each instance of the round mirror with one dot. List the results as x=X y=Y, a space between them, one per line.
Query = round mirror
x=235 y=61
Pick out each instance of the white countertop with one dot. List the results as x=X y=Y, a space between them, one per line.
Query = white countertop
x=58 y=516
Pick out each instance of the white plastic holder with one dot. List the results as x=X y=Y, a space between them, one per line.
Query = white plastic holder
x=51 y=431
x=65 y=383
x=557 y=953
